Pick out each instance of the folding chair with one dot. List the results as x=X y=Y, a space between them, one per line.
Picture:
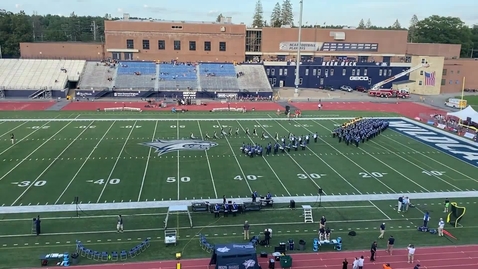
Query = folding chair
x=89 y=254
x=104 y=256
x=96 y=255
x=142 y=246
x=114 y=256
x=123 y=255
x=147 y=242
x=133 y=252
x=81 y=251
x=209 y=248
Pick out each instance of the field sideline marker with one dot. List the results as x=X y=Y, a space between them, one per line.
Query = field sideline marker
x=83 y=164
x=207 y=226
x=116 y=162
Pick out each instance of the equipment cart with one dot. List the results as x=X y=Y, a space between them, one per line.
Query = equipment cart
x=170 y=237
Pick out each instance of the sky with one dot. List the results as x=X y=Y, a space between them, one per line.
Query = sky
x=318 y=12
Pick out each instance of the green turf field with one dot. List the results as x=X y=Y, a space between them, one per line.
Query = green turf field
x=99 y=158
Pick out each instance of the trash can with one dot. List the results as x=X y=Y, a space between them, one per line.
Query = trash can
x=286 y=261
x=75 y=258
x=301 y=245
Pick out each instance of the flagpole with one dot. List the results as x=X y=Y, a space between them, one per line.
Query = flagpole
x=298 y=60
x=462 y=91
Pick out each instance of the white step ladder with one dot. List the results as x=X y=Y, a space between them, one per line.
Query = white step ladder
x=308 y=214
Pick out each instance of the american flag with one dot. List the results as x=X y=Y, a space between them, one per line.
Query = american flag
x=430 y=79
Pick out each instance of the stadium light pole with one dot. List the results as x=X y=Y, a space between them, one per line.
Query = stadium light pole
x=299 y=44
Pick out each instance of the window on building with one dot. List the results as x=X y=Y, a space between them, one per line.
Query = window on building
x=192 y=45
x=389 y=72
x=177 y=45
x=207 y=45
x=451 y=71
x=314 y=72
x=380 y=72
x=129 y=43
x=280 y=71
x=443 y=81
x=285 y=71
x=344 y=71
x=222 y=46
x=420 y=83
x=268 y=71
x=353 y=72
x=365 y=71
x=161 y=45
x=146 y=44
x=116 y=55
x=332 y=71
x=177 y=27
x=458 y=71
x=128 y=56
x=358 y=71
x=444 y=72
x=457 y=82
x=307 y=71
x=421 y=73
x=300 y=81
x=273 y=71
x=319 y=72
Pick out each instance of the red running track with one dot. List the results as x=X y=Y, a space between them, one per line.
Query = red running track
x=449 y=257
x=258 y=106
x=30 y=106
x=408 y=109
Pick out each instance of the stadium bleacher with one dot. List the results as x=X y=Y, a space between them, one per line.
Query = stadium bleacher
x=218 y=77
x=96 y=76
x=174 y=76
x=39 y=74
x=135 y=75
x=254 y=78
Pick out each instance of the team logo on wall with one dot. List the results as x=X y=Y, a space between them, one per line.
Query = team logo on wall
x=166 y=146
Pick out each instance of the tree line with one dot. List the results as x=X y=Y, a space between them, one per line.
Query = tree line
x=20 y=27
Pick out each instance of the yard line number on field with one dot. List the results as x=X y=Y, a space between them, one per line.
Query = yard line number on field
x=116 y=162
x=84 y=162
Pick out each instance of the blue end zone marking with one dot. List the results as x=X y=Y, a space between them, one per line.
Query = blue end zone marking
x=453 y=145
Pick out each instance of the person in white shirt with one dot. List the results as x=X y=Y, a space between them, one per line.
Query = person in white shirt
x=355 y=264
x=360 y=262
x=411 y=253
x=441 y=226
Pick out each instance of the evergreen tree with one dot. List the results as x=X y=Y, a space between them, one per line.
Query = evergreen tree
x=258 y=19
x=219 y=17
x=276 y=16
x=412 y=29
x=368 y=25
x=396 y=25
x=361 y=24
x=287 y=15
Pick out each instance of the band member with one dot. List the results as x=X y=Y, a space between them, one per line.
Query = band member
x=215 y=135
x=192 y=136
x=247 y=131
x=447 y=203
x=323 y=222
x=382 y=230
x=207 y=136
x=119 y=225
x=12 y=137
x=254 y=132
x=237 y=131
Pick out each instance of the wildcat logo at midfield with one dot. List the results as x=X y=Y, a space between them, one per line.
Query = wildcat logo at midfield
x=166 y=146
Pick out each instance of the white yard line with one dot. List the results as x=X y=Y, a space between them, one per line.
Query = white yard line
x=35 y=150
x=345 y=156
x=9 y=132
x=288 y=154
x=83 y=164
x=340 y=175
x=416 y=165
x=36 y=130
x=116 y=162
x=208 y=163
x=270 y=167
x=50 y=165
x=380 y=161
x=237 y=161
x=178 y=176
x=426 y=156
x=147 y=163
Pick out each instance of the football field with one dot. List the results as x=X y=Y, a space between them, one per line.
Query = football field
x=104 y=159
